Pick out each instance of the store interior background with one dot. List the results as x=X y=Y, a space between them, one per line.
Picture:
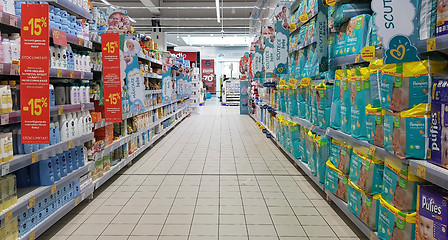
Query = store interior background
x=192 y=26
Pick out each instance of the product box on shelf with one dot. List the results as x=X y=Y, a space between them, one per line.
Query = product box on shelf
x=394 y=224
x=439 y=128
x=364 y=206
x=432 y=213
x=336 y=182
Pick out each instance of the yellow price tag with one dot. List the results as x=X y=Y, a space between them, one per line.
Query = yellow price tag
x=76 y=201
x=372 y=236
x=59 y=73
x=34 y=158
x=8 y=216
x=80 y=41
x=60 y=110
x=357 y=58
x=304 y=18
x=331 y=2
x=431 y=44
x=53 y=189
x=70 y=144
x=372 y=150
x=258 y=123
x=421 y=171
x=72 y=74
x=368 y=53
x=32 y=236
x=305 y=81
x=292 y=27
x=32 y=202
x=261 y=127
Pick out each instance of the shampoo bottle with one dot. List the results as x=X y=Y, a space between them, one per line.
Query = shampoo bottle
x=69 y=159
x=62 y=162
x=46 y=171
x=55 y=165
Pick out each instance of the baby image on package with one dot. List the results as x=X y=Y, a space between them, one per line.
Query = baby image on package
x=340 y=155
x=364 y=206
x=394 y=224
x=346 y=102
x=359 y=97
x=442 y=17
x=366 y=173
x=336 y=182
x=405 y=133
x=375 y=125
x=432 y=213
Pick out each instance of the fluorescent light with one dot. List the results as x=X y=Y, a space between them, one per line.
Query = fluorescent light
x=132 y=20
x=218 y=18
x=172 y=44
x=217 y=40
x=106 y=2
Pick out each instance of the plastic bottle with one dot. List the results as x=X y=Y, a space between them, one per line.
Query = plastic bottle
x=70 y=58
x=60 y=96
x=6 y=50
x=62 y=161
x=57 y=130
x=52 y=57
x=81 y=124
x=72 y=125
x=87 y=93
x=57 y=53
x=52 y=96
x=80 y=150
x=82 y=92
x=69 y=160
x=63 y=51
x=73 y=155
x=64 y=128
x=88 y=121
x=52 y=134
x=16 y=38
x=56 y=166
x=46 y=170
x=78 y=93
x=73 y=93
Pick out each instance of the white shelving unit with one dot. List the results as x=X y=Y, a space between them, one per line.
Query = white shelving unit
x=231 y=96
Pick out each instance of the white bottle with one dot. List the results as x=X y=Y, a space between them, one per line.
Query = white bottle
x=63 y=57
x=63 y=127
x=80 y=126
x=82 y=93
x=83 y=62
x=89 y=66
x=57 y=52
x=88 y=121
x=78 y=93
x=71 y=124
x=73 y=94
x=6 y=50
x=52 y=57
x=14 y=50
x=87 y=89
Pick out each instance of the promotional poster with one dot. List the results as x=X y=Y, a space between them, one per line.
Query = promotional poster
x=281 y=42
x=168 y=82
x=134 y=78
x=268 y=54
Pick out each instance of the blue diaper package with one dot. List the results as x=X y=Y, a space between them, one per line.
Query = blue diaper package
x=375 y=40
x=346 y=103
x=340 y=155
x=366 y=173
x=324 y=95
x=301 y=96
x=375 y=125
x=340 y=41
x=364 y=206
x=303 y=144
x=336 y=182
x=322 y=153
x=405 y=85
x=357 y=34
x=359 y=97
x=394 y=224
x=400 y=187
x=346 y=11
x=293 y=105
x=314 y=116
x=335 y=116
x=406 y=133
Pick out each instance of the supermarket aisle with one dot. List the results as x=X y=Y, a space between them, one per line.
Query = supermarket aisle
x=215 y=176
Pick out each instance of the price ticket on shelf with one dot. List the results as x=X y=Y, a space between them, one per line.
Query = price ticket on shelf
x=111 y=77
x=34 y=74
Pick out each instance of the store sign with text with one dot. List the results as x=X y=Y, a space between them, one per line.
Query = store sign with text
x=190 y=56
x=208 y=73
x=34 y=74
x=111 y=77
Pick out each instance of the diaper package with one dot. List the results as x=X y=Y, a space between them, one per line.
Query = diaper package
x=293 y=105
x=301 y=97
x=359 y=97
x=442 y=18
x=312 y=151
x=304 y=144
x=428 y=18
x=364 y=206
x=432 y=213
x=405 y=85
x=375 y=125
x=336 y=104
x=324 y=95
x=406 y=133
x=394 y=224
x=438 y=134
x=366 y=173
x=314 y=115
x=347 y=11
x=331 y=44
x=375 y=40
x=400 y=188
x=322 y=145
x=357 y=34
x=375 y=69
x=340 y=41
x=346 y=103
x=336 y=182
x=340 y=155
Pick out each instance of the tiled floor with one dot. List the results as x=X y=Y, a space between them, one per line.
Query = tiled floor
x=215 y=176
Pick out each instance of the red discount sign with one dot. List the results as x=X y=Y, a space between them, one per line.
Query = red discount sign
x=208 y=74
x=34 y=74
x=111 y=77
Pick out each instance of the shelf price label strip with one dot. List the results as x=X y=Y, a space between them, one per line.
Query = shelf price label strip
x=34 y=77
x=111 y=77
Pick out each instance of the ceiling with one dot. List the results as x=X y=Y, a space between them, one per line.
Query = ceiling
x=183 y=18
